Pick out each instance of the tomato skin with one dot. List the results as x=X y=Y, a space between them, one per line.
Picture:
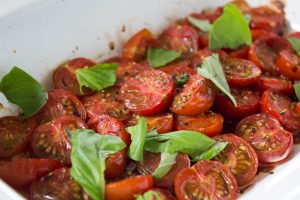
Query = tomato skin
x=288 y=64
x=199 y=181
x=211 y=124
x=241 y=53
x=261 y=33
x=21 y=173
x=128 y=188
x=15 y=134
x=151 y=162
x=239 y=157
x=277 y=84
x=163 y=194
x=294 y=35
x=195 y=98
x=198 y=57
x=148 y=93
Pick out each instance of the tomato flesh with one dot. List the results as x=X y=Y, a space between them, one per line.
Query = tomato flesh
x=277 y=84
x=288 y=63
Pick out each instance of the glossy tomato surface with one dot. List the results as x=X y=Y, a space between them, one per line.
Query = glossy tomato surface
x=275 y=83
x=288 y=63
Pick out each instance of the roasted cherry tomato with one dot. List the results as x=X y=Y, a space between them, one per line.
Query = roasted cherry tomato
x=241 y=53
x=247 y=104
x=182 y=38
x=288 y=63
x=264 y=133
x=210 y=14
x=61 y=102
x=275 y=83
x=135 y=48
x=108 y=102
x=210 y=123
x=261 y=33
x=294 y=35
x=239 y=157
x=128 y=188
x=65 y=75
x=148 y=93
x=240 y=72
x=198 y=57
x=57 y=185
x=151 y=162
x=15 y=133
x=51 y=140
x=206 y=180
x=21 y=173
x=195 y=98
x=162 y=193
x=283 y=109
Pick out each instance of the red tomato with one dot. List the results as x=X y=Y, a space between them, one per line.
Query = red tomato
x=162 y=193
x=240 y=72
x=135 y=48
x=264 y=133
x=274 y=83
x=261 y=33
x=210 y=15
x=148 y=93
x=288 y=63
x=206 y=180
x=128 y=188
x=61 y=102
x=57 y=185
x=210 y=123
x=239 y=157
x=198 y=57
x=195 y=98
x=241 y=53
x=295 y=35
x=51 y=141
x=247 y=104
x=283 y=109
x=151 y=162
x=15 y=133
x=65 y=75
x=21 y=173
x=108 y=102
x=182 y=38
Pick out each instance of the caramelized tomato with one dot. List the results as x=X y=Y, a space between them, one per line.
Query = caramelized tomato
x=288 y=63
x=274 y=83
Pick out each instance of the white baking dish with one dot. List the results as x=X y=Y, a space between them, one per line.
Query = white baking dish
x=38 y=35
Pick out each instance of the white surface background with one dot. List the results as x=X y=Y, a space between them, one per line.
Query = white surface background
x=38 y=35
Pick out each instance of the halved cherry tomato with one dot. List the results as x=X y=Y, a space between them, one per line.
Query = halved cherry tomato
x=275 y=83
x=241 y=53
x=61 y=102
x=283 y=109
x=57 y=185
x=240 y=72
x=151 y=162
x=15 y=134
x=135 y=48
x=51 y=140
x=195 y=98
x=261 y=33
x=206 y=180
x=288 y=63
x=128 y=188
x=247 y=104
x=210 y=123
x=264 y=133
x=21 y=173
x=108 y=102
x=209 y=14
x=148 y=93
x=198 y=57
x=239 y=157
x=182 y=38
x=162 y=193
x=65 y=75
x=295 y=35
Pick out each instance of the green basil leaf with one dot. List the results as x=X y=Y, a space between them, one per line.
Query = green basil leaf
x=158 y=57
x=212 y=70
x=295 y=44
x=150 y=195
x=89 y=152
x=211 y=152
x=155 y=146
x=297 y=90
x=167 y=160
x=230 y=30
x=138 y=137
x=247 y=18
x=98 y=77
x=23 y=90
x=203 y=25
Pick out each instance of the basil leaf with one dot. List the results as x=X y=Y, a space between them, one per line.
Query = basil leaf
x=138 y=137
x=150 y=195
x=23 y=90
x=297 y=90
x=230 y=30
x=295 y=44
x=203 y=25
x=211 y=152
x=212 y=70
x=182 y=80
x=247 y=18
x=89 y=152
x=158 y=57
x=167 y=160
x=98 y=77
